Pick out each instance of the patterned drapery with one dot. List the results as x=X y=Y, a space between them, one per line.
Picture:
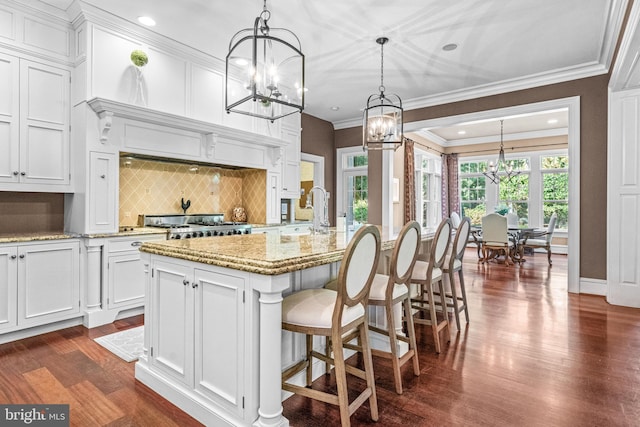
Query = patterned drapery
x=409 y=181
x=450 y=192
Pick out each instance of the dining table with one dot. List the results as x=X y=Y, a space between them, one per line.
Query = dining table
x=515 y=234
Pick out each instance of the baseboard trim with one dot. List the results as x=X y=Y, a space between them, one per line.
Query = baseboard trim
x=593 y=286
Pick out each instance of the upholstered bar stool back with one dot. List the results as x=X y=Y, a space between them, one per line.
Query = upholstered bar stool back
x=329 y=313
x=453 y=264
x=426 y=273
x=392 y=292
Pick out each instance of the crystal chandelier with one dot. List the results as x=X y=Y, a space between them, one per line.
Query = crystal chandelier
x=382 y=119
x=264 y=71
x=501 y=169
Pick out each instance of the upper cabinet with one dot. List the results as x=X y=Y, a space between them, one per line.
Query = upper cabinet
x=34 y=125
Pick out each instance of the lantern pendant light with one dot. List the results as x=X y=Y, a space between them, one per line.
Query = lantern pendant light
x=264 y=71
x=382 y=119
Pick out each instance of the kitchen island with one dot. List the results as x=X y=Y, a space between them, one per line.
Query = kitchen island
x=213 y=339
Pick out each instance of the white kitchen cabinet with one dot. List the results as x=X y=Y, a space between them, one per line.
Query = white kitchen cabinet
x=291 y=164
x=124 y=276
x=34 y=126
x=273 y=197
x=171 y=320
x=193 y=314
x=48 y=282
x=9 y=118
x=102 y=192
x=8 y=288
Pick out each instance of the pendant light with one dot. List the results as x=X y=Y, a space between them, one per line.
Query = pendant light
x=382 y=119
x=501 y=169
x=264 y=71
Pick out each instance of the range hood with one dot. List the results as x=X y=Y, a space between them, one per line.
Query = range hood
x=128 y=157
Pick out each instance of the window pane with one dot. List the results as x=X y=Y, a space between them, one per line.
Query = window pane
x=475 y=211
x=554 y=162
x=555 y=186
x=357 y=160
x=357 y=204
x=561 y=209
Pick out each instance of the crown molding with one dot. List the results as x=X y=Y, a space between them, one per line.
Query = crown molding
x=528 y=82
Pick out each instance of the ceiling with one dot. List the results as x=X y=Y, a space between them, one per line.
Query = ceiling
x=501 y=45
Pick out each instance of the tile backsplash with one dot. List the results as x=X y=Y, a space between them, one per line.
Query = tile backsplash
x=31 y=213
x=156 y=187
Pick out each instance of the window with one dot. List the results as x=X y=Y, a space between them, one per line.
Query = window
x=353 y=180
x=555 y=189
x=428 y=171
x=540 y=189
x=472 y=190
x=514 y=193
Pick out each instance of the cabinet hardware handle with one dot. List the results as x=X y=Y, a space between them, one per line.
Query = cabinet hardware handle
x=136 y=243
x=285 y=188
x=194 y=285
x=185 y=282
x=23 y=173
x=21 y=256
x=15 y=173
x=13 y=257
x=103 y=176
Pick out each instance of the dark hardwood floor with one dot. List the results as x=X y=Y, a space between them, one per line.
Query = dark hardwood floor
x=532 y=355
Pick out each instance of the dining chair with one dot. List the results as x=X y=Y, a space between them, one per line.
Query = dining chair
x=495 y=238
x=329 y=313
x=455 y=219
x=452 y=265
x=512 y=220
x=538 y=239
x=426 y=273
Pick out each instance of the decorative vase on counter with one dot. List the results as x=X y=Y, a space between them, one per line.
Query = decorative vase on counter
x=239 y=214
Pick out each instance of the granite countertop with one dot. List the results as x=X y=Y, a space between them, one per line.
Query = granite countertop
x=262 y=253
x=33 y=237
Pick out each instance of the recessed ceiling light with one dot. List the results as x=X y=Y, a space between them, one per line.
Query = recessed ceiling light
x=146 y=20
x=462 y=132
x=552 y=121
x=241 y=62
x=449 y=47
x=334 y=108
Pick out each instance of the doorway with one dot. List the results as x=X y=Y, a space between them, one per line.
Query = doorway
x=573 y=106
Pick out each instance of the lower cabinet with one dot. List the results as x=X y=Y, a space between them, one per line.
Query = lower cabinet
x=193 y=314
x=39 y=284
x=124 y=272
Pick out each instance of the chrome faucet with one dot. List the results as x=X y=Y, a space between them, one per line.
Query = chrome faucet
x=320 y=225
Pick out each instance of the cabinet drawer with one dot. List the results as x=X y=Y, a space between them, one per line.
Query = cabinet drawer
x=124 y=244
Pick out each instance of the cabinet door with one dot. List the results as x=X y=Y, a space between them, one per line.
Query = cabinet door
x=172 y=321
x=48 y=282
x=102 y=192
x=126 y=280
x=219 y=324
x=9 y=118
x=291 y=165
x=44 y=124
x=8 y=288
x=273 y=197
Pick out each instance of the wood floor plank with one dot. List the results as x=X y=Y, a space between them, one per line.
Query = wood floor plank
x=91 y=399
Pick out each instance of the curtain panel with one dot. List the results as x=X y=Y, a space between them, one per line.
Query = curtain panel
x=450 y=192
x=409 y=181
